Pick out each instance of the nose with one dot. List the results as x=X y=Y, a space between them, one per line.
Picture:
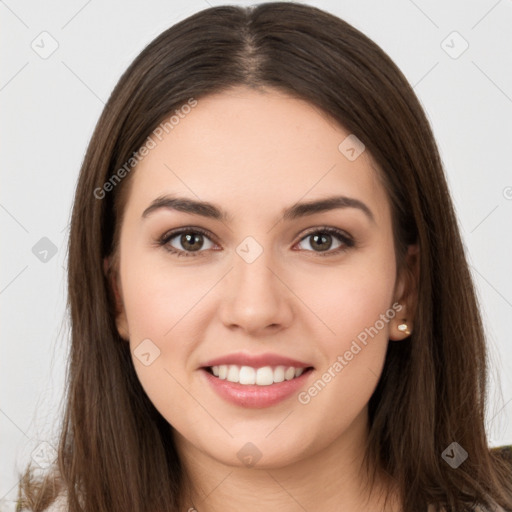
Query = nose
x=255 y=298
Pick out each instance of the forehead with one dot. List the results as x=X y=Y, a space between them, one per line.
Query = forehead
x=255 y=151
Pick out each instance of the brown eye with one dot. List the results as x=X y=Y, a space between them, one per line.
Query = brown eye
x=328 y=240
x=321 y=242
x=191 y=242
x=186 y=242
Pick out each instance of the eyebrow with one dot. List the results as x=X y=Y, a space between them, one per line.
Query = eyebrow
x=209 y=210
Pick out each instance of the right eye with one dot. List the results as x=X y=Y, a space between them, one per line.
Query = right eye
x=186 y=241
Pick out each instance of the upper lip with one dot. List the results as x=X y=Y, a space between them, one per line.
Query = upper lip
x=255 y=361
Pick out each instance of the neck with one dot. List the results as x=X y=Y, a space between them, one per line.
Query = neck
x=331 y=479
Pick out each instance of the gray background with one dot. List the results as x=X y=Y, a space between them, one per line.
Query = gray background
x=50 y=104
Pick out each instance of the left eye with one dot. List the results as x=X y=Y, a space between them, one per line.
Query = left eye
x=322 y=241
x=187 y=242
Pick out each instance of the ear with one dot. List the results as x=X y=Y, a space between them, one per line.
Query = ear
x=406 y=294
x=115 y=287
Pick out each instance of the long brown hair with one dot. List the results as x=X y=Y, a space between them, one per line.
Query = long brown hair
x=116 y=452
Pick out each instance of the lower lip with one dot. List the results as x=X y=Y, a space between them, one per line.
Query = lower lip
x=256 y=397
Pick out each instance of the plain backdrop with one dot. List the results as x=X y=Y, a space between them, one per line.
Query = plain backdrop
x=59 y=63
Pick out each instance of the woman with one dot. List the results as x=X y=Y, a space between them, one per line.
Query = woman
x=267 y=286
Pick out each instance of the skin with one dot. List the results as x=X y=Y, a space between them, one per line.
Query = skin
x=254 y=153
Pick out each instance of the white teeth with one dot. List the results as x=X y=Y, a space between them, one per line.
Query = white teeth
x=233 y=373
x=264 y=376
x=289 y=373
x=247 y=375
x=279 y=374
x=223 y=371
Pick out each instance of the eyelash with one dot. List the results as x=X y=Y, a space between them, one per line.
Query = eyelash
x=347 y=241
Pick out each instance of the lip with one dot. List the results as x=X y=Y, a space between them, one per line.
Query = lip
x=255 y=361
x=253 y=396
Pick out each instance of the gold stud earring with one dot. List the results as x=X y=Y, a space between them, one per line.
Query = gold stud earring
x=403 y=327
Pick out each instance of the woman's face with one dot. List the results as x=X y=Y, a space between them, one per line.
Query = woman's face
x=258 y=280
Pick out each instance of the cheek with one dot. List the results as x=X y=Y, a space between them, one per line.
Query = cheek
x=358 y=307
x=355 y=305
x=157 y=297
x=349 y=298
x=160 y=312
x=158 y=302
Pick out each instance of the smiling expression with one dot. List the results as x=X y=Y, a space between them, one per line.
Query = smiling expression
x=247 y=233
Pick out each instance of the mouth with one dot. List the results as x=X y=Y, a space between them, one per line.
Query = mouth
x=257 y=388
x=251 y=376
